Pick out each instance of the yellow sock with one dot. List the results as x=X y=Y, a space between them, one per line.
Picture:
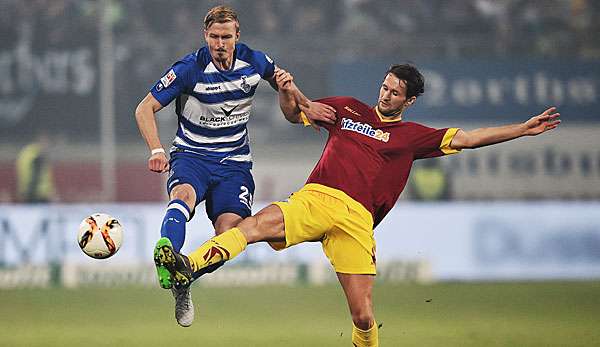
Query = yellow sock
x=222 y=247
x=365 y=338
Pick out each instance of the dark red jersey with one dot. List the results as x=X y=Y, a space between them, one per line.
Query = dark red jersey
x=369 y=158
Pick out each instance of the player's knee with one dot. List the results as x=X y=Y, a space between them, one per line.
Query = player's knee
x=186 y=193
x=363 y=319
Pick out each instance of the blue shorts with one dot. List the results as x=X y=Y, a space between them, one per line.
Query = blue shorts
x=226 y=187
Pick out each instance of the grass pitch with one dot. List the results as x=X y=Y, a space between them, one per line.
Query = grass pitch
x=460 y=314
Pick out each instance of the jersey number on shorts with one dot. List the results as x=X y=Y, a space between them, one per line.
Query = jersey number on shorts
x=245 y=197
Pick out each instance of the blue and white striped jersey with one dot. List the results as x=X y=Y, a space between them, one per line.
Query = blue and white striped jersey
x=213 y=106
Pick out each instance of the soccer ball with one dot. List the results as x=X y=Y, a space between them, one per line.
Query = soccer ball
x=100 y=235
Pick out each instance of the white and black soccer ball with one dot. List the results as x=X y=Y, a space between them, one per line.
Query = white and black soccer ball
x=100 y=235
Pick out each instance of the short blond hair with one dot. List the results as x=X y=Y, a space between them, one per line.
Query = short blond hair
x=221 y=14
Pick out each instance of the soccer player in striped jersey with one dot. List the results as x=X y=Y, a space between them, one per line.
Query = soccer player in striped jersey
x=210 y=157
x=362 y=171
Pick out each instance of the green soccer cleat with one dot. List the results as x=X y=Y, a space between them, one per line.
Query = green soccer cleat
x=160 y=258
x=173 y=269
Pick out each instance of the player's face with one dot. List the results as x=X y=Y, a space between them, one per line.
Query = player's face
x=221 y=39
x=392 y=96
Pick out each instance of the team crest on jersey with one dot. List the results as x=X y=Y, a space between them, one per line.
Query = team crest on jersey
x=167 y=79
x=365 y=129
x=245 y=85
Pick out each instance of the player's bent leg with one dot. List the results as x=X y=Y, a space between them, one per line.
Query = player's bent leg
x=266 y=225
x=358 y=290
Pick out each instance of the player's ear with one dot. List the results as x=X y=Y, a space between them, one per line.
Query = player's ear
x=410 y=101
x=237 y=36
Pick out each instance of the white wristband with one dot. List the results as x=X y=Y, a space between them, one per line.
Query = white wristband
x=157 y=150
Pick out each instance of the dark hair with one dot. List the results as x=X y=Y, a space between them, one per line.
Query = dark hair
x=415 y=82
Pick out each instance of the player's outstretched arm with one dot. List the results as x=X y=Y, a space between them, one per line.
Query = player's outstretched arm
x=144 y=115
x=539 y=124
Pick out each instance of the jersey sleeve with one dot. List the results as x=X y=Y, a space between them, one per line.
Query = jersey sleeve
x=264 y=64
x=174 y=82
x=429 y=142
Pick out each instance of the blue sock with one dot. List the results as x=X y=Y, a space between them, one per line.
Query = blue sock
x=173 y=226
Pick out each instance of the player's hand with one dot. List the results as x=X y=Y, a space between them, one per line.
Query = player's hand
x=158 y=163
x=283 y=79
x=543 y=122
x=317 y=111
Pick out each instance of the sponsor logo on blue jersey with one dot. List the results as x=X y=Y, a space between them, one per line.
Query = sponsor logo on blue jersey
x=365 y=129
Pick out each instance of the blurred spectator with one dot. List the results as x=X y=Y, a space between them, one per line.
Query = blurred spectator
x=35 y=183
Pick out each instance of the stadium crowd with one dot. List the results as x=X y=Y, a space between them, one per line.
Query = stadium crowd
x=345 y=28
x=307 y=36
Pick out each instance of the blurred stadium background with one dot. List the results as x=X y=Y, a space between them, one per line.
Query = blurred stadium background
x=499 y=246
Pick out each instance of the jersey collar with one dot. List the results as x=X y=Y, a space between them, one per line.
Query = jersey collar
x=200 y=55
x=385 y=119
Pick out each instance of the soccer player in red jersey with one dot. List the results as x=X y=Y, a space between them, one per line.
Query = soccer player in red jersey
x=362 y=171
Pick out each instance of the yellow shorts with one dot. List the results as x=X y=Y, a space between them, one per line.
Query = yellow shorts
x=342 y=225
